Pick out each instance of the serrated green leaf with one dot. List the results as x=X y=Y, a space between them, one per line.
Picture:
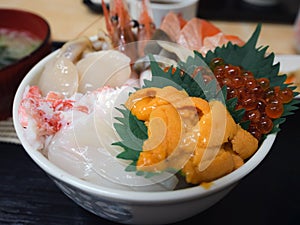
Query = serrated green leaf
x=132 y=132
x=128 y=153
x=238 y=115
x=131 y=167
x=231 y=103
x=245 y=124
x=137 y=127
x=276 y=124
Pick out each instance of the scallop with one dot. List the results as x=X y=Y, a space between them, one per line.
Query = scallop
x=73 y=50
x=106 y=67
x=59 y=75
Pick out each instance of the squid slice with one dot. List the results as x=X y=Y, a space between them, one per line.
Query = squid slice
x=96 y=165
x=103 y=68
x=84 y=148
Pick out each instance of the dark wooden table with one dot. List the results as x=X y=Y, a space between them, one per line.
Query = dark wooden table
x=269 y=195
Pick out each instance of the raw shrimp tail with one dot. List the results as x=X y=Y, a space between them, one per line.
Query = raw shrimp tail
x=119 y=27
x=146 y=28
x=146 y=22
x=120 y=23
x=107 y=19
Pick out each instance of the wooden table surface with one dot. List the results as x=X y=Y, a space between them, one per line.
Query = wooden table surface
x=69 y=19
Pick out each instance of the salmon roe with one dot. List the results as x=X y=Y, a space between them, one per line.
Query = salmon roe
x=262 y=102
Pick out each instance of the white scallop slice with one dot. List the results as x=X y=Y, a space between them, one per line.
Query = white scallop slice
x=60 y=75
x=103 y=68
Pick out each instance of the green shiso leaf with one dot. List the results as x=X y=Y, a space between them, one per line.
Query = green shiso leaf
x=133 y=132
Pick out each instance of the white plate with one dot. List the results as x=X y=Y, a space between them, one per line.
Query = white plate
x=289 y=63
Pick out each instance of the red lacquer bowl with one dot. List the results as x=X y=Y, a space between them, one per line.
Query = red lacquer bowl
x=11 y=76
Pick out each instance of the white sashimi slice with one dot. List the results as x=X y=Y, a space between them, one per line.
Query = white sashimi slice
x=96 y=165
x=103 y=68
x=60 y=75
x=74 y=49
x=84 y=148
x=112 y=170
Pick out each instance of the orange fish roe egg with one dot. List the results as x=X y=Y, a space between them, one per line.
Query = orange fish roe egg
x=262 y=102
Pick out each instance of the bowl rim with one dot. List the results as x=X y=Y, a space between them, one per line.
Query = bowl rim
x=136 y=197
x=44 y=42
x=176 y=4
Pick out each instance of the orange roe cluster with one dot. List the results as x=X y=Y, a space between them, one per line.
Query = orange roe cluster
x=262 y=102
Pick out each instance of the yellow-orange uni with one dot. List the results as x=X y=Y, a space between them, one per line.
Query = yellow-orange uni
x=185 y=133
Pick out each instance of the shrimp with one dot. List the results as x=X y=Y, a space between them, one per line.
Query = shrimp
x=146 y=26
x=120 y=27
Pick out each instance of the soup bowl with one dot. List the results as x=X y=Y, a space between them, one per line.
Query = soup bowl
x=12 y=74
x=133 y=207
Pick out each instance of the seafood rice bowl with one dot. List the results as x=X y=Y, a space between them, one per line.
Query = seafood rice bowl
x=140 y=121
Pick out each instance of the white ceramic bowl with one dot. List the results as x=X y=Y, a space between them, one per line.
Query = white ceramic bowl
x=160 y=8
x=131 y=207
x=187 y=9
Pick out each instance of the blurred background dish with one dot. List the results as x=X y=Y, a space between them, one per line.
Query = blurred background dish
x=187 y=9
x=290 y=65
x=24 y=40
